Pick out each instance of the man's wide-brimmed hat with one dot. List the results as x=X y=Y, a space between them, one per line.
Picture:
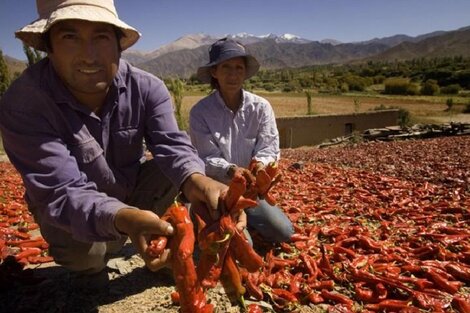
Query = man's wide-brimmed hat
x=53 y=11
x=223 y=50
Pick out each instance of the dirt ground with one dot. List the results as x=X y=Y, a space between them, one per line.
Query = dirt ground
x=132 y=289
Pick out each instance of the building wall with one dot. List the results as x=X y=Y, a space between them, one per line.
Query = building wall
x=312 y=130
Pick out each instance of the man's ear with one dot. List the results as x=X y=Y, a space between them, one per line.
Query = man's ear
x=212 y=71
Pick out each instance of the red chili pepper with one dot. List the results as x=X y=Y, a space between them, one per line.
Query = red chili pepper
x=285 y=247
x=192 y=298
x=26 y=227
x=175 y=297
x=263 y=182
x=276 y=263
x=286 y=295
x=323 y=284
x=310 y=265
x=363 y=294
x=236 y=189
x=244 y=253
x=337 y=298
x=427 y=301
x=368 y=243
x=391 y=304
x=314 y=298
x=461 y=304
x=449 y=286
x=40 y=259
x=156 y=246
x=252 y=288
x=42 y=244
x=324 y=263
x=231 y=280
x=343 y=250
x=21 y=234
x=459 y=271
x=299 y=237
x=254 y=308
x=27 y=252
x=295 y=283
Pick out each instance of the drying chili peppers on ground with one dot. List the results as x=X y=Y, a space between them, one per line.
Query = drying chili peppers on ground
x=379 y=227
x=20 y=241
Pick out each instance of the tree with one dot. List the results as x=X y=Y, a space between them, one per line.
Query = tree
x=308 y=93
x=176 y=87
x=32 y=55
x=430 y=88
x=4 y=75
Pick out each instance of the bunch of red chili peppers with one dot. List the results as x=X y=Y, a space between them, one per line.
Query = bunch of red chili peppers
x=224 y=250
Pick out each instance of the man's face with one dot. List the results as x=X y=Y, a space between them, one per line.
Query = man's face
x=85 y=55
x=230 y=74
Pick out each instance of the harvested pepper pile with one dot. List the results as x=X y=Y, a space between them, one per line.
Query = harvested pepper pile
x=379 y=227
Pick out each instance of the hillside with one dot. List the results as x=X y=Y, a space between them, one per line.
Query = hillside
x=456 y=43
x=14 y=65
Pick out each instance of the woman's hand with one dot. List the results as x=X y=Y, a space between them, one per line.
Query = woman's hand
x=242 y=221
x=140 y=225
x=202 y=190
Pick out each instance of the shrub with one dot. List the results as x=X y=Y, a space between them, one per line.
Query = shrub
x=467 y=108
x=400 y=86
x=404 y=117
x=451 y=89
x=430 y=88
x=449 y=103
x=268 y=86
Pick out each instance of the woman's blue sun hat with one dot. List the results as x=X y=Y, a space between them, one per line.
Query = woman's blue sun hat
x=223 y=50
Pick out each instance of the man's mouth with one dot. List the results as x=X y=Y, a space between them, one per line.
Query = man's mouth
x=89 y=71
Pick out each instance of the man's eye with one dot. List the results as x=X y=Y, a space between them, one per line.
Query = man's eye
x=68 y=36
x=104 y=37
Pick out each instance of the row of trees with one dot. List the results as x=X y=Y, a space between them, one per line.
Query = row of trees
x=422 y=76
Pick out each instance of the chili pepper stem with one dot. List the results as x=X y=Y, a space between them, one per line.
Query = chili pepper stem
x=226 y=237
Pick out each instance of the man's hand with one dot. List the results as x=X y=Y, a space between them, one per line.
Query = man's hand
x=200 y=189
x=139 y=225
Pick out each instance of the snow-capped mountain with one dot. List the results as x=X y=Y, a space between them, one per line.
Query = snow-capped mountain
x=194 y=41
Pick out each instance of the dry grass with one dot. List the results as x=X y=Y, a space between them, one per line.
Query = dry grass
x=422 y=109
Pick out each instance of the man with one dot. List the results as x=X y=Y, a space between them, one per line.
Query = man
x=74 y=125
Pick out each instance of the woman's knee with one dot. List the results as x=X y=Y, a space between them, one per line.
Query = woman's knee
x=271 y=222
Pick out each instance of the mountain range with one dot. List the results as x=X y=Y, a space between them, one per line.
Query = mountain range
x=182 y=57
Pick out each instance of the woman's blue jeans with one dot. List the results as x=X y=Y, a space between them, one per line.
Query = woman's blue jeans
x=270 y=222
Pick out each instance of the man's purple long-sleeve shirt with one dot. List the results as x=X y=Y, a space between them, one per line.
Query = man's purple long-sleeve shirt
x=78 y=167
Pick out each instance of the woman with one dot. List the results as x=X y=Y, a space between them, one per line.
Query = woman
x=231 y=127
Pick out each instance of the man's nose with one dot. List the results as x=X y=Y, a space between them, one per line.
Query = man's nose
x=88 y=50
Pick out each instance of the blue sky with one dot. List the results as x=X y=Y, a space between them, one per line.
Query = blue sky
x=163 y=21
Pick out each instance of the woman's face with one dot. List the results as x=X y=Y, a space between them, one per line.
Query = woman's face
x=230 y=74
